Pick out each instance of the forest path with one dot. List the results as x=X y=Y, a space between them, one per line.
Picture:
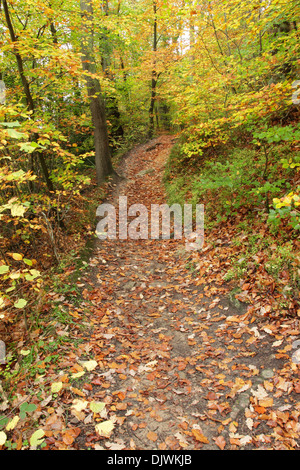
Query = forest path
x=179 y=366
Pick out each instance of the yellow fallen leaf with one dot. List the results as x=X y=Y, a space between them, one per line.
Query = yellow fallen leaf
x=266 y=403
x=3 y=438
x=79 y=405
x=56 y=387
x=97 y=406
x=12 y=423
x=25 y=352
x=105 y=428
x=37 y=438
x=77 y=375
x=89 y=365
x=17 y=256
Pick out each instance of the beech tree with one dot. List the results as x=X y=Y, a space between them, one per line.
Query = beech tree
x=97 y=105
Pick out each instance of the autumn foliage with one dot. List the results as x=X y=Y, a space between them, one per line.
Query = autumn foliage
x=215 y=86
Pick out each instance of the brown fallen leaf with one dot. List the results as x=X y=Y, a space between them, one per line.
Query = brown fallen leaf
x=220 y=441
x=121 y=406
x=77 y=391
x=69 y=435
x=199 y=436
x=152 y=436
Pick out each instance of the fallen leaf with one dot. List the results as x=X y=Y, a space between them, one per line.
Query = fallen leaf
x=17 y=256
x=37 y=438
x=89 y=365
x=79 y=405
x=266 y=403
x=77 y=391
x=97 y=406
x=3 y=438
x=249 y=423
x=77 y=375
x=152 y=436
x=105 y=428
x=114 y=446
x=12 y=423
x=220 y=441
x=56 y=387
x=199 y=436
x=70 y=434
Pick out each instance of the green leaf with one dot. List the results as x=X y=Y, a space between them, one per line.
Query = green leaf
x=21 y=303
x=25 y=352
x=97 y=406
x=4 y=269
x=11 y=124
x=15 y=134
x=29 y=147
x=28 y=261
x=37 y=438
x=27 y=407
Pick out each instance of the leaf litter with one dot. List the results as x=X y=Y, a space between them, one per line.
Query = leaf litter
x=166 y=360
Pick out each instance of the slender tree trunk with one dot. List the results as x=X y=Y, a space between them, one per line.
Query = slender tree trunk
x=154 y=74
x=27 y=92
x=97 y=105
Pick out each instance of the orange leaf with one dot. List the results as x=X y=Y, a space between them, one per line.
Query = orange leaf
x=199 y=436
x=152 y=436
x=259 y=409
x=121 y=395
x=220 y=441
x=121 y=406
x=68 y=438
x=77 y=391
x=265 y=403
x=70 y=435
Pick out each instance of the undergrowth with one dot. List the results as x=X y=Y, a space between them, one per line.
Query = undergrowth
x=252 y=198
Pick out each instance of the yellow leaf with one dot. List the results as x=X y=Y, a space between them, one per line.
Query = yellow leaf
x=79 y=405
x=15 y=275
x=77 y=375
x=105 y=428
x=97 y=406
x=17 y=210
x=89 y=365
x=17 y=256
x=266 y=403
x=3 y=438
x=12 y=424
x=56 y=387
x=25 y=352
x=37 y=438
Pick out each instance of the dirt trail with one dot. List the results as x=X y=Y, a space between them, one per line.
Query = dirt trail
x=179 y=365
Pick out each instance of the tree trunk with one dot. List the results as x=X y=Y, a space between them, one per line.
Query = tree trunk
x=27 y=92
x=154 y=74
x=97 y=106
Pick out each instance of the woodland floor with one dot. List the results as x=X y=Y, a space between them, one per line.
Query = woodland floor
x=177 y=362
